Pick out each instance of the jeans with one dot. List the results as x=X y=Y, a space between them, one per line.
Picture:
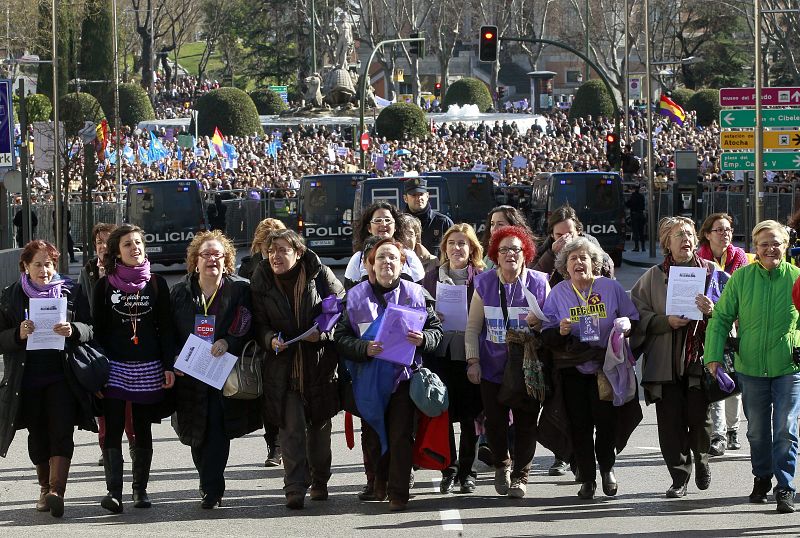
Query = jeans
x=725 y=416
x=771 y=405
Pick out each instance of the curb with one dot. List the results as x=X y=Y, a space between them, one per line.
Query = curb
x=646 y=264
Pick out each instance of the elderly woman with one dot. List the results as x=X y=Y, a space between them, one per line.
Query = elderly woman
x=582 y=311
x=716 y=235
x=498 y=304
x=366 y=302
x=212 y=303
x=760 y=297
x=672 y=367
x=461 y=261
x=410 y=230
x=258 y=252
x=40 y=391
x=300 y=383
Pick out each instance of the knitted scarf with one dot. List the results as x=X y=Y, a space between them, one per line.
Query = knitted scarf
x=696 y=330
x=734 y=257
x=130 y=279
x=50 y=290
x=297 y=298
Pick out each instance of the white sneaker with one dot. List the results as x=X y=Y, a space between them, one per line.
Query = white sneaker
x=502 y=480
x=517 y=489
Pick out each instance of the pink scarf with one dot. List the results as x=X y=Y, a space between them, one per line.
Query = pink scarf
x=130 y=279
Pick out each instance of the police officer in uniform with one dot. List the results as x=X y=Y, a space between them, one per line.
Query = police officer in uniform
x=434 y=224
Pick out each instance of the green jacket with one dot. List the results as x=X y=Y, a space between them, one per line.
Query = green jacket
x=768 y=321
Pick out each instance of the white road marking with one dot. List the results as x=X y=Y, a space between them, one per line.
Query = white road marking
x=451 y=519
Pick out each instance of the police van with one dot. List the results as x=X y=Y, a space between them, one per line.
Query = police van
x=597 y=199
x=325 y=213
x=170 y=212
x=469 y=196
x=390 y=189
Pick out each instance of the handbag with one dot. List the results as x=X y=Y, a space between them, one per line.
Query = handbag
x=89 y=364
x=711 y=389
x=514 y=391
x=428 y=393
x=245 y=381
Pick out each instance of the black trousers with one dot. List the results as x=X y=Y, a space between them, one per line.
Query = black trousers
x=211 y=457
x=593 y=424
x=684 y=428
x=114 y=413
x=638 y=222
x=50 y=413
x=394 y=466
x=497 y=432
x=461 y=463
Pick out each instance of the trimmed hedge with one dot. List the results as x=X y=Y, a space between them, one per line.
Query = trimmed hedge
x=229 y=109
x=76 y=108
x=268 y=103
x=705 y=103
x=134 y=105
x=468 y=91
x=592 y=99
x=682 y=96
x=38 y=107
x=402 y=120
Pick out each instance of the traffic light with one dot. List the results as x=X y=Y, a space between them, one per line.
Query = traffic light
x=613 y=150
x=501 y=92
x=487 y=44
x=437 y=89
x=416 y=48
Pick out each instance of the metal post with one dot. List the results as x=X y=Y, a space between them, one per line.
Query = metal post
x=759 y=131
x=651 y=219
x=586 y=64
x=57 y=200
x=118 y=166
x=313 y=36
x=152 y=53
x=23 y=166
x=626 y=74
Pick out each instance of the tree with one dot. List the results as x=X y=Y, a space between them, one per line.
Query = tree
x=705 y=103
x=77 y=108
x=468 y=91
x=682 y=96
x=229 y=109
x=66 y=31
x=134 y=106
x=400 y=121
x=592 y=99
x=268 y=102
x=149 y=15
x=38 y=107
x=183 y=18
x=97 y=48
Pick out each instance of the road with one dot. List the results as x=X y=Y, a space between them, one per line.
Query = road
x=253 y=504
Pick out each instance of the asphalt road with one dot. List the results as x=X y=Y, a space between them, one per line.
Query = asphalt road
x=253 y=504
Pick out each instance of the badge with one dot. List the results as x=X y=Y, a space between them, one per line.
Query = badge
x=589 y=328
x=204 y=327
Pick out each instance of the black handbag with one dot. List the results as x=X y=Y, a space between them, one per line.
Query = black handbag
x=89 y=364
x=711 y=389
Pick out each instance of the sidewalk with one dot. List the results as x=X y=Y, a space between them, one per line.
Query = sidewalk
x=643 y=259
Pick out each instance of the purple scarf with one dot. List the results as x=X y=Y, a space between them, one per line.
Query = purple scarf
x=50 y=290
x=130 y=279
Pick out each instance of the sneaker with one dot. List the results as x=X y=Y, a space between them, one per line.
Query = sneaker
x=502 y=480
x=558 y=468
x=717 y=447
x=517 y=489
x=467 y=484
x=274 y=457
x=761 y=487
x=702 y=475
x=367 y=492
x=785 y=500
x=733 y=440
x=485 y=455
x=447 y=482
x=411 y=479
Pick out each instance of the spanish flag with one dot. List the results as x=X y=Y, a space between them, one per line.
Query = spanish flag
x=216 y=143
x=671 y=109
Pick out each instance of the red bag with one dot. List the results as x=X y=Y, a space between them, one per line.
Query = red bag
x=432 y=445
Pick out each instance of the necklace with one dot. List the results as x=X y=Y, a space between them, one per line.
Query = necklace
x=135 y=319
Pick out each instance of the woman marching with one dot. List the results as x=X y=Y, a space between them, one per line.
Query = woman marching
x=40 y=391
x=133 y=324
x=213 y=304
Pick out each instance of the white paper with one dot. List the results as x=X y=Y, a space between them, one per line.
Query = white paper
x=451 y=301
x=683 y=286
x=293 y=340
x=533 y=304
x=196 y=360
x=45 y=313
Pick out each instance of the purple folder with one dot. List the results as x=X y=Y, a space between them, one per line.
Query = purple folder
x=393 y=332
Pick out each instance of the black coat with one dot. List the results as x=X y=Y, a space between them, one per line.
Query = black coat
x=234 y=324
x=13 y=303
x=273 y=314
x=434 y=225
x=249 y=264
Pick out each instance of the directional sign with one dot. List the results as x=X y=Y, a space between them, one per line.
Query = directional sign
x=770 y=118
x=772 y=139
x=6 y=126
x=745 y=161
x=769 y=96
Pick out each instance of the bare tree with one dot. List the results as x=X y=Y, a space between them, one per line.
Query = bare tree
x=183 y=19
x=149 y=16
x=782 y=32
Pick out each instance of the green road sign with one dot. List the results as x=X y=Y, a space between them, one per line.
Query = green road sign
x=745 y=161
x=771 y=117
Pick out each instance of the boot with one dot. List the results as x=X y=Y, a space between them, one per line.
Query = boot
x=59 y=471
x=142 y=458
x=112 y=464
x=43 y=474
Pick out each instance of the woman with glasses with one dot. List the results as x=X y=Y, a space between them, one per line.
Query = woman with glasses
x=300 y=379
x=767 y=367
x=213 y=304
x=380 y=219
x=502 y=215
x=716 y=236
x=673 y=357
x=499 y=304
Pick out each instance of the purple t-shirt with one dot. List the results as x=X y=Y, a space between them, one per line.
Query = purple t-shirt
x=608 y=300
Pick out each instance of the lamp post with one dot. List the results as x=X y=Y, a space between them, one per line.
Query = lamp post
x=651 y=219
x=586 y=64
x=118 y=166
x=58 y=202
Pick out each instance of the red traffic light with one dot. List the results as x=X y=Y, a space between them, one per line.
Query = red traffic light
x=488 y=35
x=438 y=85
x=611 y=138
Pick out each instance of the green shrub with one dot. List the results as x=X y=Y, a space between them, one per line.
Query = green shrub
x=134 y=105
x=229 y=109
x=592 y=99
x=76 y=108
x=268 y=102
x=401 y=120
x=38 y=107
x=705 y=103
x=468 y=91
x=682 y=96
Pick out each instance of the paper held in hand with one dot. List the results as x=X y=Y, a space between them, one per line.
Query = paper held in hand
x=196 y=360
x=393 y=333
x=684 y=284
x=45 y=313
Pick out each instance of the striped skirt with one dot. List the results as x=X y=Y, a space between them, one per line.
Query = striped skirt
x=136 y=381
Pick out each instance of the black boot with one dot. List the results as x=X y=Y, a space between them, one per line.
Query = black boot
x=142 y=458
x=112 y=464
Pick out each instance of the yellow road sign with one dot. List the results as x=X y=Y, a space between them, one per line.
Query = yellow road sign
x=772 y=139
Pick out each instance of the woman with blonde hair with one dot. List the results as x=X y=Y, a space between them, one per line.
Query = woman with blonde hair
x=461 y=259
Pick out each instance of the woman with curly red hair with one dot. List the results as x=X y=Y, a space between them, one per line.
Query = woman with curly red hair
x=498 y=304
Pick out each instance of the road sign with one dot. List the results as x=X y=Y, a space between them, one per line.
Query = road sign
x=769 y=96
x=772 y=139
x=282 y=91
x=7 y=160
x=745 y=161
x=364 y=141
x=770 y=118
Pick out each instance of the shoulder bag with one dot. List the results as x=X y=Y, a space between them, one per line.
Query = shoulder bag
x=245 y=381
x=89 y=364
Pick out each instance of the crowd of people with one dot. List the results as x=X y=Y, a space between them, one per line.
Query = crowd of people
x=534 y=344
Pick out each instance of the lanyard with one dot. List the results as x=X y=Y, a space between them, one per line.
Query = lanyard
x=207 y=305
x=580 y=295
x=723 y=259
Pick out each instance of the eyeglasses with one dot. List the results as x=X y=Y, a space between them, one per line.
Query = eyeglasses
x=385 y=220
x=212 y=255
x=509 y=250
x=682 y=234
x=722 y=231
x=283 y=251
x=767 y=246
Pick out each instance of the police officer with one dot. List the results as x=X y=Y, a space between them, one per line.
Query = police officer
x=434 y=224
